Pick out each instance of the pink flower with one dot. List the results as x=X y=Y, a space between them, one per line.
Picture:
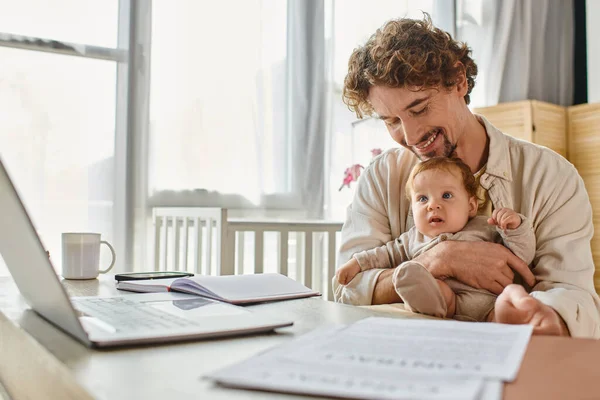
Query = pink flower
x=351 y=174
x=376 y=152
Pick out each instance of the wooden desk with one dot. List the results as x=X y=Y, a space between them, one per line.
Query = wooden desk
x=39 y=361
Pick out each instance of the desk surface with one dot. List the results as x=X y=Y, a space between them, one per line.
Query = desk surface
x=32 y=350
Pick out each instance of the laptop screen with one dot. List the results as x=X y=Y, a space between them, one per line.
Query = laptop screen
x=28 y=262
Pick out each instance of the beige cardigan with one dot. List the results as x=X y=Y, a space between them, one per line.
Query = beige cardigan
x=525 y=177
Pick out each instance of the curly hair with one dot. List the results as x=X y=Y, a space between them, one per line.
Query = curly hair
x=450 y=164
x=406 y=52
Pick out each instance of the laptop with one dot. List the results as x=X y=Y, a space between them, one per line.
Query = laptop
x=111 y=321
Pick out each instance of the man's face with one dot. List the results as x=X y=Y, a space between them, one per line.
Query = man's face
x=428 y=122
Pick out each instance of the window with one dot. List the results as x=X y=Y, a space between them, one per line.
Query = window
x=90 y=22
x=217 y=102
x=475 y=26
x=57 y=128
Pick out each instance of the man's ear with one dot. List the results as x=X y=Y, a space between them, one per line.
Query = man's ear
x=473 y=206
x=461 y=79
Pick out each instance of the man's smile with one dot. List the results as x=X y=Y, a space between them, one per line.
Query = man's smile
x=424 y=146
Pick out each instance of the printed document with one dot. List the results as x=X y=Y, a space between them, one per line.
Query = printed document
x=385 y=358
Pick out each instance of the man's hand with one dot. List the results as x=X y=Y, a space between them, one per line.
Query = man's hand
x=482 y=265
x=515 y=306
x=505 y=218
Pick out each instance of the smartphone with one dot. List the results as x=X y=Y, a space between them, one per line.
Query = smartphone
x=136 y=276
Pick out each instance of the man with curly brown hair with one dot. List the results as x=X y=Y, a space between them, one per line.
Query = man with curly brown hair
x=417 y=79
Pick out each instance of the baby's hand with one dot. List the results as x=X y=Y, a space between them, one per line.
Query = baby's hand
x=505 y=218
x=347 y=272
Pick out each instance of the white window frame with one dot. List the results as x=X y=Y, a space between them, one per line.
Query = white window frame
x=141 y=25
x=121 y=56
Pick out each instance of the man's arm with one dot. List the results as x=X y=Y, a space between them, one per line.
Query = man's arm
x=482 y=265
x=384 y=292
x=378 y=209
x=564 y=267
x=360 y=290
x=479 y=264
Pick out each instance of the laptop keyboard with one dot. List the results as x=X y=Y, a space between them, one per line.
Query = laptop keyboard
x=130 y=316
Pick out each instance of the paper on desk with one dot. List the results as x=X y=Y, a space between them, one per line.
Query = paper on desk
x=388 y=358
x=492 y=390
x=275 y=371
x=484 y=350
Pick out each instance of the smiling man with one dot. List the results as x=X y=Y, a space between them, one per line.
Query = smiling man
x=417 y=79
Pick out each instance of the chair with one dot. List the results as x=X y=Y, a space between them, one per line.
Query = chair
x=204 y=229
x=208 y=231
x=313 y=248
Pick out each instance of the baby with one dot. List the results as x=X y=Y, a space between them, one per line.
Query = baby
x=443 y=195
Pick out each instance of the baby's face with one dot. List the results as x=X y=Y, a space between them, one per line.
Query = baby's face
x=440 y=202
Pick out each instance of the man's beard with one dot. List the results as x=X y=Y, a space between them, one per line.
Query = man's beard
x=449 y=150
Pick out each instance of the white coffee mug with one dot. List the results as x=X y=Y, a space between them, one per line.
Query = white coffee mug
x=81 y=255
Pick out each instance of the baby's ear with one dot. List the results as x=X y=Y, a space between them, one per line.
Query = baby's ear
x=473 y=206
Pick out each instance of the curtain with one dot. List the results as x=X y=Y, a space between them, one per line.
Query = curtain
x=523 y=48
x=307 y=101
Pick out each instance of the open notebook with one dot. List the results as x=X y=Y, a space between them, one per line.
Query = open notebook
x=234 y=289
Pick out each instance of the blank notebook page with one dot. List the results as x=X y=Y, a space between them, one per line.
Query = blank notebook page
x=234 y=287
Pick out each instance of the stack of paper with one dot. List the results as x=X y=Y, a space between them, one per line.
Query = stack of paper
x=384 y=358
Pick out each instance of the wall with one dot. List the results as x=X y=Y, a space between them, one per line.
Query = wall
x=593 y=49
